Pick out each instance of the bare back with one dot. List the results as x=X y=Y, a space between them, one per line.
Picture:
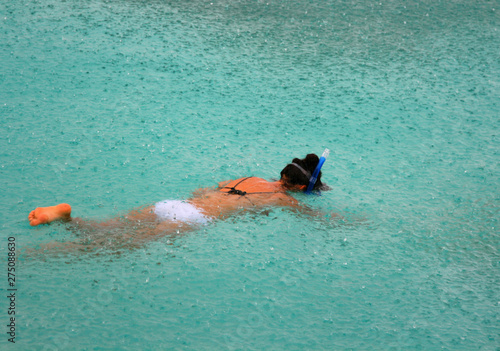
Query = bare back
x=250 y=193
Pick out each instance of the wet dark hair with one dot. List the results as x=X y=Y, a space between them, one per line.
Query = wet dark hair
x=294 y=174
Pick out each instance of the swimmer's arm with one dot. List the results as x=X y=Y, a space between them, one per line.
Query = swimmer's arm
x=293 y=205
x=310 y=212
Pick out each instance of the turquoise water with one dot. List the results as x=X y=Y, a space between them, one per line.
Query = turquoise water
x=109 y=105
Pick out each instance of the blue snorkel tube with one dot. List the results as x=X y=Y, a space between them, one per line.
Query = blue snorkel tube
x=314 y=177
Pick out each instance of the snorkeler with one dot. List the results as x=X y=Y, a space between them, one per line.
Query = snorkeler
x=229 y=198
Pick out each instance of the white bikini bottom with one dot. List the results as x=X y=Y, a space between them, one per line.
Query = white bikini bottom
x=175 y=210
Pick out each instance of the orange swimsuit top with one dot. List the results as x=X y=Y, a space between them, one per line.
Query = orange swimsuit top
x=231 y=187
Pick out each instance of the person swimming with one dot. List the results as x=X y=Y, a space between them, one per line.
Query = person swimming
x=229 y=198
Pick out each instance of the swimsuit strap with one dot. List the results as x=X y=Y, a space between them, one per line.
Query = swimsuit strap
x=234 y=191
x=306 y=173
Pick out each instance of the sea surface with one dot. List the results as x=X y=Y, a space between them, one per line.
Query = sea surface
x=111 y=105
